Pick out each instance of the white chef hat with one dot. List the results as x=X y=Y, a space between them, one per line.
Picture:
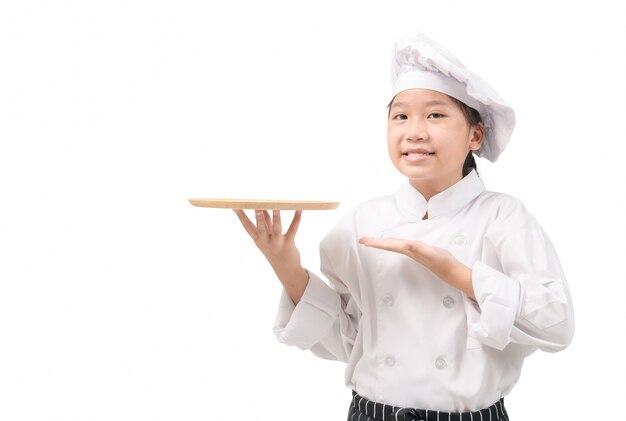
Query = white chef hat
x=420 y=62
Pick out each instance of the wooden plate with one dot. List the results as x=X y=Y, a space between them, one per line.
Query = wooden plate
x=263 y=204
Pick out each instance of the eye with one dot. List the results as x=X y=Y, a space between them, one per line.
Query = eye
x=400 y=117
x=436 y=115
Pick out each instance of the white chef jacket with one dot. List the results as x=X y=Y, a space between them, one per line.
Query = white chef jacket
x=408 y=338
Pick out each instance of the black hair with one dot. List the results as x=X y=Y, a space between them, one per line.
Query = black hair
x=473 y=118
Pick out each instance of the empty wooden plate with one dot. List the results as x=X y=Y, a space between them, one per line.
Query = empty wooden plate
x=263 y=204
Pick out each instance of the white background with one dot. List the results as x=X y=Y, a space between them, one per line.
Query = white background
x=120 y=301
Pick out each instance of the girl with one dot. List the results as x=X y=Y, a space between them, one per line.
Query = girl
x=439 y=291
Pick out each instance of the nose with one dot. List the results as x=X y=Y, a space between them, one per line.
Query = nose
x=416 y=131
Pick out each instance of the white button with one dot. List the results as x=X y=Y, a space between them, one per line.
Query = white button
x=441 y=364
x=448 y=302
x=390 y=360
x=459 y=240
x=388 y=300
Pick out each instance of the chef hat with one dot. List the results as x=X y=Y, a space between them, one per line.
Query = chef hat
x=420 y=62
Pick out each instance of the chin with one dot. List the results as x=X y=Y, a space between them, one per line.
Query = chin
x=415 y=172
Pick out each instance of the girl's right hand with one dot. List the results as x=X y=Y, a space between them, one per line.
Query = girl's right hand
x=278 y=248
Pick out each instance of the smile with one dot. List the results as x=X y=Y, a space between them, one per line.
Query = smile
x=413 y=157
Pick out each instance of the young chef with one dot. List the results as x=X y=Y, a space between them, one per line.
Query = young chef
x=439 y=291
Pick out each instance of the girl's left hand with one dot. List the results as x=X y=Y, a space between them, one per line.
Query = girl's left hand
x=438 y=260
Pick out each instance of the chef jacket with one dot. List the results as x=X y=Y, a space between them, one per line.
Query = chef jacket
x=408 y=338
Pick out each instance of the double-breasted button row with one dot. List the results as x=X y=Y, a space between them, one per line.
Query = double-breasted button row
x=440 y=363
x=448 y=302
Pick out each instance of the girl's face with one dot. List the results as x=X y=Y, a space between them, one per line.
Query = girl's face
x=429 y=138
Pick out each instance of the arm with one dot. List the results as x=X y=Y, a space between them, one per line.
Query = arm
x=516 y=292
x=325 y=321
x=279 y=250
x=438 y=260
x=521 y=292
x=311 y=315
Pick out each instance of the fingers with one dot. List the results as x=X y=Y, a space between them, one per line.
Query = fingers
x=247 y=224
x=295 y=223
x=391 y=244
x=268 y=226
x=261 y=230
x=416 y=250
x=261 y=223
x=277 y=228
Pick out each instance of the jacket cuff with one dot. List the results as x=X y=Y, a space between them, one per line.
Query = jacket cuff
x=305 y=324
x=498 y=298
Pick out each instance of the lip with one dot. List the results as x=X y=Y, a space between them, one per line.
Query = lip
x=417 y=150
x=415 y=158
x=407 y=157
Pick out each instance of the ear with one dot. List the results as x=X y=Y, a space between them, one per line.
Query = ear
x=477 y=136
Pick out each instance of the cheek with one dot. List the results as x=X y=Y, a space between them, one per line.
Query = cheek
x=451 y=141
x=390 y=149
x=393 y=135
x=392 y=143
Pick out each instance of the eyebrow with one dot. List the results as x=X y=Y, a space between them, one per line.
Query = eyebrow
x=427 y=104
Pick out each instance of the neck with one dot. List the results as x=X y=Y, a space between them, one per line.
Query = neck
x=430 y=187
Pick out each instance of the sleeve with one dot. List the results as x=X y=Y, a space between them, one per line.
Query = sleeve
x=325 y=319
x=521 y=292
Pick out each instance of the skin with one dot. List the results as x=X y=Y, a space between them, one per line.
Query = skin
x=279 y=249
x=441 y=128
x=418 y=118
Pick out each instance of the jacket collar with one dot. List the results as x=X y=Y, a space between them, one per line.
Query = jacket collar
x=413 y=205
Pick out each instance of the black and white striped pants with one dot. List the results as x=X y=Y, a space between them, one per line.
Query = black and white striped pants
x=362 y=409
